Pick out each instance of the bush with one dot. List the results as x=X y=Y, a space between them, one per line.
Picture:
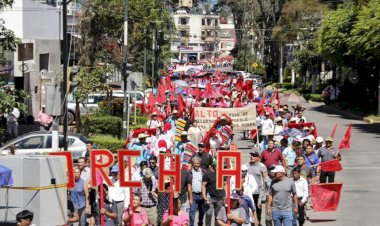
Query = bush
x=110 y=125
x=284 y=85
x=107 y=142
x=313 y=97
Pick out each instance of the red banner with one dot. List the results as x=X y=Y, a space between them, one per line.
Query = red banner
x=306 y=124
x=331 y=166
x=325 y=197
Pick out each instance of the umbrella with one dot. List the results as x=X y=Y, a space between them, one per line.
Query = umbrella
x=6 y=178
x=181 y=83
x=293 y=98
x=291 y=132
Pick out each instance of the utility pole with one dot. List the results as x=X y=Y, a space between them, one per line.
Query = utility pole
x=125 y=75
x=145 y=55
x=153 y=57
x=64 y=83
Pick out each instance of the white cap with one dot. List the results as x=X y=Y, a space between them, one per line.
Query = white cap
x=278 y=169
x=319 y=140
x=244 y=167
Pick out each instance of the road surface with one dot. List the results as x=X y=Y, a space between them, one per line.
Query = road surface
x=360 y=198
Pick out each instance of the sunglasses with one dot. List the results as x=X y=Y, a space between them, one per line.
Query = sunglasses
x=152 y=162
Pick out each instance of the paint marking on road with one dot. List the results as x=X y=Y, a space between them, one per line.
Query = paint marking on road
x=361 y=167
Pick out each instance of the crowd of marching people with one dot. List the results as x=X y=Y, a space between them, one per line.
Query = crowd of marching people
x=275 y=180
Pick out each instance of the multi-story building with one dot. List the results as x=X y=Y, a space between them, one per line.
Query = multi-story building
x=38 y=56
x=227 y=35
x=197 y=36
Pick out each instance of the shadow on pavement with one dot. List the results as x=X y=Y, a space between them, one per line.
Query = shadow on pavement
x=333 y=111
x=368 y=128
x=321 y=220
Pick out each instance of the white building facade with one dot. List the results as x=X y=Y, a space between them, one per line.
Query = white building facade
x=197 y=36
x=39 y=28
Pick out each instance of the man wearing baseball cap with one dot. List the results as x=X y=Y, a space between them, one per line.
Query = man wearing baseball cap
x=318 y=145
x=327 y=153
x=259 y=173
x=280 y=198
x=237 y=216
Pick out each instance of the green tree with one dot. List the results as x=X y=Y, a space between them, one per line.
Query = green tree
x=8 y=40
x=364 y=41
x=334 y=34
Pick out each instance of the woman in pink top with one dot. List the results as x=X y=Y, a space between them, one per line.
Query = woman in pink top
x=179 y=217
x=140 y=216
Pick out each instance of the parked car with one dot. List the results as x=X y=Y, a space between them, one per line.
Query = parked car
x=36 y=143
x=92 y=102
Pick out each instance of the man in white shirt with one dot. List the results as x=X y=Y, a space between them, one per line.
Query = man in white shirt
x=12 y=123
x=267 y=125
x=302 y=190
x=120 y=195
x=154 y=122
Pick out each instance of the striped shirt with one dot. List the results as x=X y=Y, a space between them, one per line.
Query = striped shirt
x=145 y=192
x=197 y=180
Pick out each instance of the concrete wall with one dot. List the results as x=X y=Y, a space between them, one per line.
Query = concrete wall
x=32 y=20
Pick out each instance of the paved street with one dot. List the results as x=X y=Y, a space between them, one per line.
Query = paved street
x=360 y=198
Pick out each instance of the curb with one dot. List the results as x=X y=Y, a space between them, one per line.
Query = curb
x=368 y=120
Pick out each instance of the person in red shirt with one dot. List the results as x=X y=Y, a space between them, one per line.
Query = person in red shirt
x=272 y=156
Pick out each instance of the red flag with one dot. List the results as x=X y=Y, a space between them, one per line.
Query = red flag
x=278 y=99
x=252 y=134
x=334 y=130
x=168 y=109
x=181 y=105
x=151 y=100
x=237 y=103
x=331 y=166
x=345 y=142
x=325 y=197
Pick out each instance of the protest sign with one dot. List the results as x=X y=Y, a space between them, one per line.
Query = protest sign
x=243 y=118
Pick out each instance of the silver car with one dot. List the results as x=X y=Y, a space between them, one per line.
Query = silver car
x=36 y=143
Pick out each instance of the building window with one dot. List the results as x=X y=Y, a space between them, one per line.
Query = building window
x=216 y=22
x=208 y=22
x=183 y=33
x=203 y=21
x=183 y=21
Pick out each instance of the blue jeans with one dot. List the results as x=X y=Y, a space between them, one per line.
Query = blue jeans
x=282 y=218
x=198 y=203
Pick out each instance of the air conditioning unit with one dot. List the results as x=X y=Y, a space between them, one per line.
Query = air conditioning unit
x=186 y=3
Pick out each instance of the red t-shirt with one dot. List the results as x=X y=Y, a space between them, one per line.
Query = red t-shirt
x=273 y=157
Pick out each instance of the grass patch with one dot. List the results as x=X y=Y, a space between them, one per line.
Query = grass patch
x=375 y=118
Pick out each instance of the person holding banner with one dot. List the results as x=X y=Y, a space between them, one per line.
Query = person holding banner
x=237 y=215
x=327 y=153
x=109 y=210
x=213 y=197
x=179 y=217
x=139 y=214
x=148 y=193
x=79 y=195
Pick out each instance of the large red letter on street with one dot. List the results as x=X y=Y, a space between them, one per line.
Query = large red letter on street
x=221 y=171
x=70 y=166
x=173 y=172
x=123 y=182
x=100 y=165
